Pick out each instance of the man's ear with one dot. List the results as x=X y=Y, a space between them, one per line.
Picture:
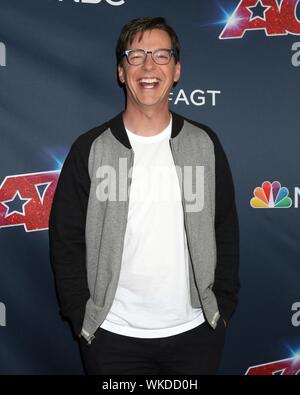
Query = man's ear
x=177 y=71
x=121 y=73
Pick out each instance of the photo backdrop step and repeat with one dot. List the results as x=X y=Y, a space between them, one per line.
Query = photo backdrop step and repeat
x=240 y=76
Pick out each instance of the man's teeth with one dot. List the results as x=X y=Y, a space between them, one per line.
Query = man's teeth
x=149 y=80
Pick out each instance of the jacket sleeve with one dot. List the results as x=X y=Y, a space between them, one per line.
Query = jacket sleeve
x=227 y=283
x=67 y=238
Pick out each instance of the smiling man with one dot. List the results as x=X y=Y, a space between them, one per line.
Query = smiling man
x=148 y=282
x=148 y=68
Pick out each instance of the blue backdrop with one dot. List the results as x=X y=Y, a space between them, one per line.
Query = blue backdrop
x=240 y=76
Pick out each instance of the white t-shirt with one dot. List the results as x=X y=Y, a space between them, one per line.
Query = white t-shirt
x=153 y=297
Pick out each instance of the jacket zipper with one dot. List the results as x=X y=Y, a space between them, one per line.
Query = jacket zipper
x=184 y=213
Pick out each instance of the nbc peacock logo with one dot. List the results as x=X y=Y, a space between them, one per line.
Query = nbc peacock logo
x=271 y=195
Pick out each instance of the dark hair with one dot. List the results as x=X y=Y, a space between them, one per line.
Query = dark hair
x=140 y=25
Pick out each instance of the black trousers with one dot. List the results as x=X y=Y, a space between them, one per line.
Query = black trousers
x=197 y=352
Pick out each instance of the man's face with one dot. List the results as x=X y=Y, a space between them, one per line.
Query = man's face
x=149 y=84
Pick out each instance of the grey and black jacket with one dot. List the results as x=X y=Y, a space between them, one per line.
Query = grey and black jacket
x=86 y=234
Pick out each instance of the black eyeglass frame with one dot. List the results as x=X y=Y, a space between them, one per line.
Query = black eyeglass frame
x=127 y=52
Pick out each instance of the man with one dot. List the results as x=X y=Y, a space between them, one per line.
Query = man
x=148 y=278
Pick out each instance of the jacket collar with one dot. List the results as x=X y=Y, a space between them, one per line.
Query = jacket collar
x=118 y=129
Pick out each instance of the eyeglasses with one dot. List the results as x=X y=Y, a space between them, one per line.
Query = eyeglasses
x=136 y=57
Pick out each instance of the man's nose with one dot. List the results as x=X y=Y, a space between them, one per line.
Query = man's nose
x=149 y=62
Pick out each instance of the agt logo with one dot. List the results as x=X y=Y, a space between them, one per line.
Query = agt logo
x=273 y=195
x=26 y=199
x=111 y=2
x=284 y=367
x=275 y=17
x=197 y=97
